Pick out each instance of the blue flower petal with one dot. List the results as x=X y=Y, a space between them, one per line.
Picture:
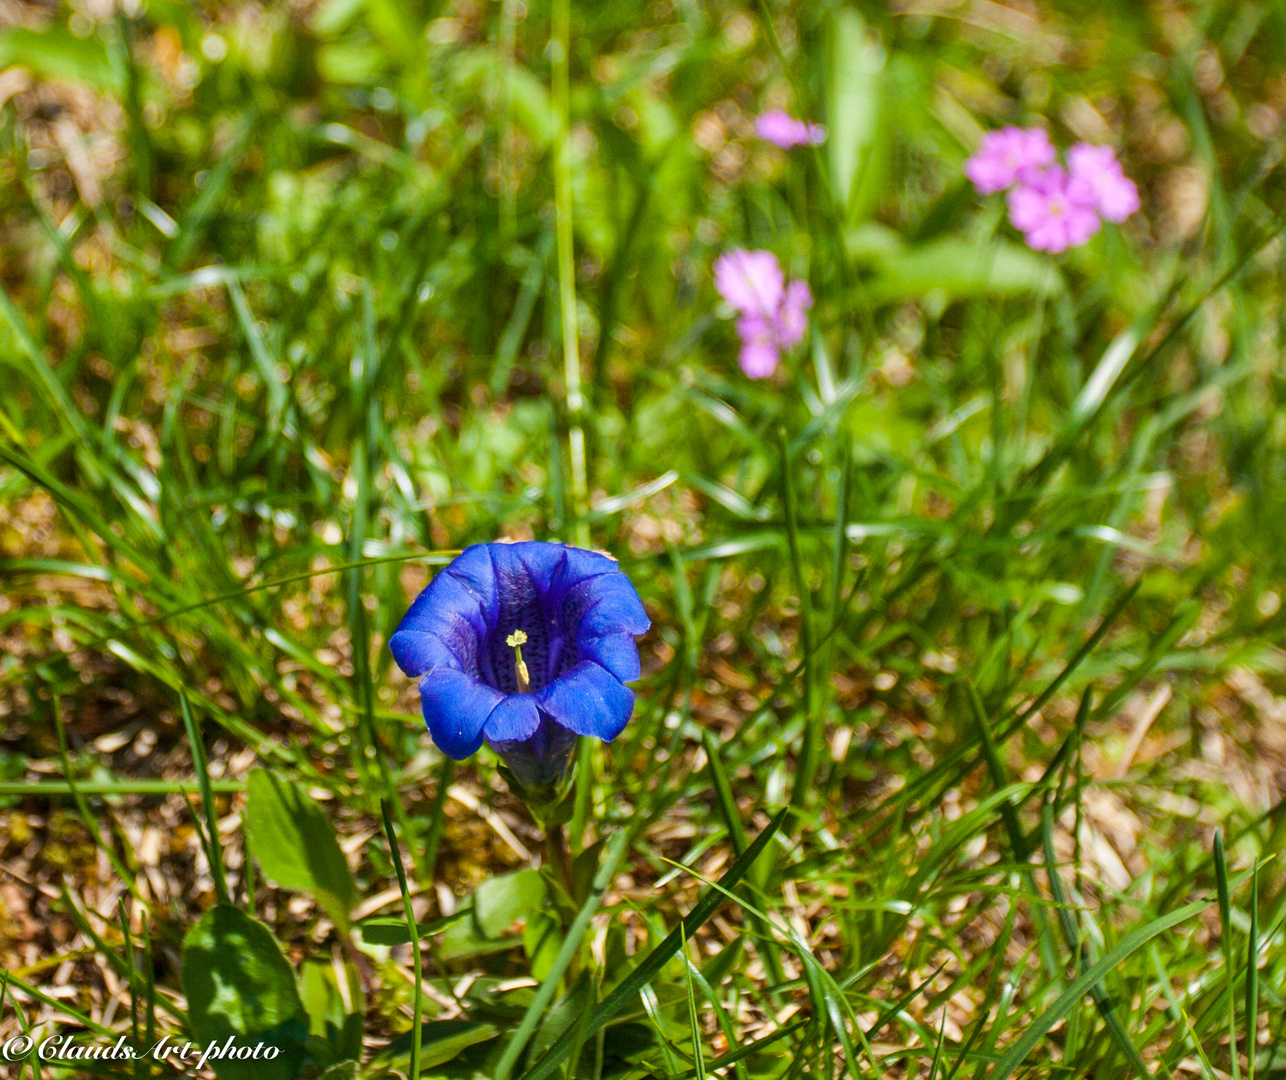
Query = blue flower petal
x=448 y=611
x=588 y=700
x=515 y=718
x=474 y=569
x=418 y=653
x=456 y=707
x=522 y=571
x=616 y=652
x=578 y=565
x=609 y=605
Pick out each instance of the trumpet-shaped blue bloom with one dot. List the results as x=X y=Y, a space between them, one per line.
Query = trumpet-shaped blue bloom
x=523 y=646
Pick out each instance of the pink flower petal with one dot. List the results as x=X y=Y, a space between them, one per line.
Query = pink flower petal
x=781 y=129
x=1007 y=156
x=792 y=320
x=751 y=281
x=758 y=359
x=1113 y=194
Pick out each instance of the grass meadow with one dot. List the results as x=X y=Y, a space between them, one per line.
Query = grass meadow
x=960 y=743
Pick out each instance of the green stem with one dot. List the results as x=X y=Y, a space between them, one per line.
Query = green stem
x=560 y=857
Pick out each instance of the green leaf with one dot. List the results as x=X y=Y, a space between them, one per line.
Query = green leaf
x=541 y=941
x=958 y=269
x=388 y=930
x=345 y=1070
x=295 y=844
x=584 y=867
x=440 y=1041
x=238 y=984
x=853 y=114
x=57 y=53
x=500 y=901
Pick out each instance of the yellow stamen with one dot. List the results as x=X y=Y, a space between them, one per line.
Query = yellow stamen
x=516 y=641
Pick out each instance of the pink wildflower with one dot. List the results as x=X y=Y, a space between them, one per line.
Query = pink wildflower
x=774 y=315
x=751 y=281
x=1115 y=195
x=759 y=355
x=1053 y=211
x=783 y=130
x=792 y=317
x=1007 y=156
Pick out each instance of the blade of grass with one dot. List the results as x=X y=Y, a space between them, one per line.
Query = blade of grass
x=706 y=906
x=1098 y=992
x=214 y=851
x=417 y=1006
x=1225 y=943
x=545 y=993
x=1128 y=945
x=1252 y=976
x=694 y=1025
x=749 y=1050
x=806 y=764
x=560 y=54
x=55 y=788
x=86 y=814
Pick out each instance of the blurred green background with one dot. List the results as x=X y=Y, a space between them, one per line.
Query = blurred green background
x=993 y=562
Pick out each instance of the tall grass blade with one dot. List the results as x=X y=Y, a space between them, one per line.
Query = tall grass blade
x=706 y=906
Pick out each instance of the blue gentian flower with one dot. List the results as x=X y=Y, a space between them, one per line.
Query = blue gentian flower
x=524 y=646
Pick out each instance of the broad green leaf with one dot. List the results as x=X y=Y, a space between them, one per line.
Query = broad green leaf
x=960 y=269
x=358 y=64
x=871 y=242
x=320 y=995
x=440 y=1041
x=56 y=53
x=332 y=16
x=853 y=114
x=238 y=984
x=584 y=868
x=541 y=941
x=345 y=1070
x=295 y=844
x=500 y=901
x=393 y=931
x=336 y=1032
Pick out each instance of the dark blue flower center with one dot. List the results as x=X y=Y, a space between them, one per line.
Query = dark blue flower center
x=550 y=622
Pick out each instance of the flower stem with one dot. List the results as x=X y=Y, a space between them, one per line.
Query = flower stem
x=558 y=854
x=560 y=47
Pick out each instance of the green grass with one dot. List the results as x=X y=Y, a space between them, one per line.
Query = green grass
x=957 y=751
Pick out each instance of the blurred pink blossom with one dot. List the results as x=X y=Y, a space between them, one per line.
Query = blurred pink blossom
x=1008 y=156
x=760 y=354
x=781 y=129
x=1053 y=211
x=792 y=317
x=773 y=314
x=751 y=281
x=1115 y=195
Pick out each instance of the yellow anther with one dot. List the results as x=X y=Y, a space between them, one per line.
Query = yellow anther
x=516 y=641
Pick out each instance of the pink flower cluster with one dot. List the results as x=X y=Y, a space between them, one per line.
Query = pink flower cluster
x=782 y=130
x=773 y=314
x=1054 y=208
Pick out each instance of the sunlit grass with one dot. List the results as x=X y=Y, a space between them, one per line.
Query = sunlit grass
x=966 y=623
